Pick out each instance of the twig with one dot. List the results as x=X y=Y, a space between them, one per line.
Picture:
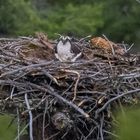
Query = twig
x=81 y=103
x=11 y=95
x=61 y=99
x=10 y=58
x=26 y=126
x=36 y=106
x=16 y=138
x=25 y=67
x=85 y=38
x=50 y=76
x=101 y=127
x=130 y=47
x=44 y=120
x=126 y=50
x=18 y=125
x=113 y=51
x=54 y=135
x=110 y=133
x=10 y=39
x=30 y=116
x=76 y=83
x=58 y=34
x=115 y=98
x=92 y=130
x=21 y=93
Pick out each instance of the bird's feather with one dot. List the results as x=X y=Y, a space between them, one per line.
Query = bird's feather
x=66 y=51
x=75 y=49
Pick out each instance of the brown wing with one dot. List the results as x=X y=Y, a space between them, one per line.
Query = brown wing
x=106 y=45
x=75 y=48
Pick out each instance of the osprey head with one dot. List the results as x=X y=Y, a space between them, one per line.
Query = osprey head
x=65 y=39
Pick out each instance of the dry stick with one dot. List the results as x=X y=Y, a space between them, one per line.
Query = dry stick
x=9 y=58
x=10 y=39
x=26 y=67
x=12 y=83
x=50 y=76
x=81 y=103
x=82 y=39
x=53 y=135
x=60 y=98
x=110 y=133
x=113 y=52
x=76 y=84
x=11 y=94
x=33 y=108
x=18 y=125
x=90 y=133
x=30 y=116
x=101 y=127
x=124 y=76
x=26 y=126
x=21 y=93
x=44 y=118
x=115 y=98
x=127 y=49
x=6 y=66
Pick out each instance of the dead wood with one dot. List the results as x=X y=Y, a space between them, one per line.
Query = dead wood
x=68 y=101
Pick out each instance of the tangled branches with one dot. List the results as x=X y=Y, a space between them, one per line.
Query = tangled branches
x=65 y=100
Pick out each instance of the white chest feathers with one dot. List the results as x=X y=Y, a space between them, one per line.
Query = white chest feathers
x=64 y=51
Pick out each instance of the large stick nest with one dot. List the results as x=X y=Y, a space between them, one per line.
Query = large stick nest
x=66 y=100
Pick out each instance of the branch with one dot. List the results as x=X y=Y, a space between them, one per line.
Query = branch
x=60 y=98
x=113 y=99
x=30 y=116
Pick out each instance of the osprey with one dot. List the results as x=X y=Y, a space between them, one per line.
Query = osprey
x=65 y=51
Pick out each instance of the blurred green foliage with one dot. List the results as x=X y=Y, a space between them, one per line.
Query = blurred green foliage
x=121 y=20
x=75 y=19
x=17 y=17
x=118 y=20
x=7 y=132
x=129 y=125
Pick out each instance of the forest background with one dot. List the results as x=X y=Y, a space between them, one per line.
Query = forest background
x=119 y=20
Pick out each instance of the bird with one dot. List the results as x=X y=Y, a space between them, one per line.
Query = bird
x=65 y=51
x=107 y=46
